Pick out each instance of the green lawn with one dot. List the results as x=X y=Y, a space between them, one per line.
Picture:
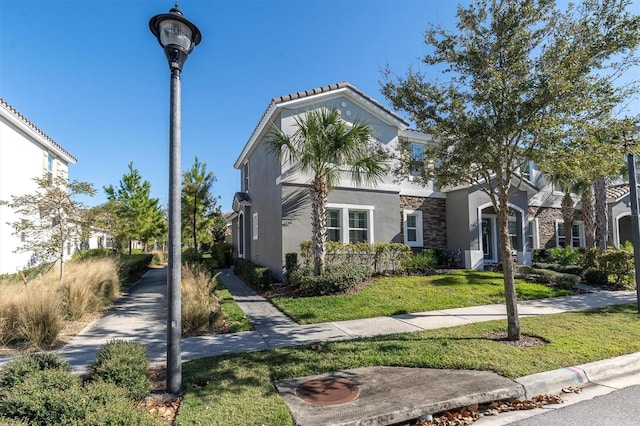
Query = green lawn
x=400 y=295
x=238 y=389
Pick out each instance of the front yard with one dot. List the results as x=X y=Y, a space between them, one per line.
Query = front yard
x=409 y=294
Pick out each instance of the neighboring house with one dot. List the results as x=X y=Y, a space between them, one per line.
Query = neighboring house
x=272 y=210
x=26 y=152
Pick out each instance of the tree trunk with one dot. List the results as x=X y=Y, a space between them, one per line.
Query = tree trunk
x=319 y=193
x=586 y=200
x=513 y=321
x=194 y=222
x=600 y=191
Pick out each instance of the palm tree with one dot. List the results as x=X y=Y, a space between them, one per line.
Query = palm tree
x=585 y=189
x=565 y=182
x=325 y=146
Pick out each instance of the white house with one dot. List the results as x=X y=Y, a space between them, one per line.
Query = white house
x=26 y=152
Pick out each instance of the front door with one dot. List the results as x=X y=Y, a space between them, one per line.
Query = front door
x=488 y=239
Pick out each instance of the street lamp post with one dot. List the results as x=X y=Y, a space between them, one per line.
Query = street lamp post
x=630 y=141
x=178 y=37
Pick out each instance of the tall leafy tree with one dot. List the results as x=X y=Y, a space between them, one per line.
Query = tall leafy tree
x=325 y=146
x=198 y=203
x=523 y=79
x=139 y=215
x=50 y=218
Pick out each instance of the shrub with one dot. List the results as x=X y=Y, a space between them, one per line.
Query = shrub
x=200 y=306
x=133 y=266
x=84 y=254
x=544 y=276
x=595 y=276
x=590 y=258
x=420 y=263
x=389 y=257
x=290 y=263
x=524 y=271
x=257 y=276
x=566 y=281
x=564 y=255
x=124 y=364
x=223 y=253
x=191 y=256
x=619 y=265
x=47 y=397
x=108 y=404
x=159 y=257
x=38 y=317
x=541 y=256
x=336 y=278
x=17 y=369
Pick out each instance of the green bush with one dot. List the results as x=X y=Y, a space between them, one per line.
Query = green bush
x=17 y=369
x=133 y=266
x=223 y=253
x=618 y=264
x=541 y=256
x=420 y=263
x=595 y=276
x=564 y=255
x=47 y=397
x=191 y=256
x=524 y=271
x=84 y=254
x=543 y=276
x=290 y=263
x=124 y=364
x=159 y=257
x=566 y=281
x=336 y=278
x=109 y=405
x=590 y=258
x=389 y=257
x=257 y=276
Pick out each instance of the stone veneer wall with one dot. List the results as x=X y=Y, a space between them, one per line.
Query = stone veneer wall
x=547 y=217
x=434 y=219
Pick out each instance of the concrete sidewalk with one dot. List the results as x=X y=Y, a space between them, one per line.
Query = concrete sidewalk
x=385 y=396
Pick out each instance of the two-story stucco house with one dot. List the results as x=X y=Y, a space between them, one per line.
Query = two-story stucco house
x=272 y=210
x=26 y=152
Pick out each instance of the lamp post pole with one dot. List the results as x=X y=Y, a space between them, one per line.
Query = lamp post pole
x=630 y=142
x=178 y=37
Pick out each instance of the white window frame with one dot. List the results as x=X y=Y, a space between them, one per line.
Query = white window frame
x=418 y=172
x=338 y=228
x=533 y=237
x=419 y=242
x=254 y=226
x=581 y=235
x=344 y=219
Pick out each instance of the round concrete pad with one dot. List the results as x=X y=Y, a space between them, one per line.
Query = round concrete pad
x=328 y=391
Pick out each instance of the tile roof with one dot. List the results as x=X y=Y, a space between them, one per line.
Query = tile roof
x=615 y=192
x=35 y=128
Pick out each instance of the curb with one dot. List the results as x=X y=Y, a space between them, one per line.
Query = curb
x=580 y=375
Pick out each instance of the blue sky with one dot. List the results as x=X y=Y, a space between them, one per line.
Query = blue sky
x=91 y=75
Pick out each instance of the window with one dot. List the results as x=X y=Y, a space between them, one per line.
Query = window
x=358 y=221
x=241 y=227
x=532 y=234
x=513 y=234
x=333 y=225
x=358 y=226
x=48 y=168
x=245 y=177
x=69 y=246
x=255 y=226
x=577 y=237
x=416 y=158
x=413 y=228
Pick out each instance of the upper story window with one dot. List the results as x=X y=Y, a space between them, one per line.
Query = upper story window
x=245 y=177
x=49 y=162
x=416 y=158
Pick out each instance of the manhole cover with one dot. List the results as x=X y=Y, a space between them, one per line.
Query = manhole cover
x=328 y=391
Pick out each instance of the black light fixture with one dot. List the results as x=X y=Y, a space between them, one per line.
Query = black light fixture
x=178 y=37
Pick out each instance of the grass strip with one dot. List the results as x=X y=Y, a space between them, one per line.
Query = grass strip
x=401 y=295
x=238 y=389
x=234 y=317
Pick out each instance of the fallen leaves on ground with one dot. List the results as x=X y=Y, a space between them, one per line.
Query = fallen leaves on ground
x=469 y=414
x=163 y=406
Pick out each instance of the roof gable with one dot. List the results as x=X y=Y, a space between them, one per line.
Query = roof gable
x=21 y=122
x=314 y=96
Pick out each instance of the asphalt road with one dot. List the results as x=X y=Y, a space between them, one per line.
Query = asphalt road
x=618 y=408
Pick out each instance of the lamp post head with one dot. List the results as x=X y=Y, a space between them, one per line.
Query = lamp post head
x=176 y=34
